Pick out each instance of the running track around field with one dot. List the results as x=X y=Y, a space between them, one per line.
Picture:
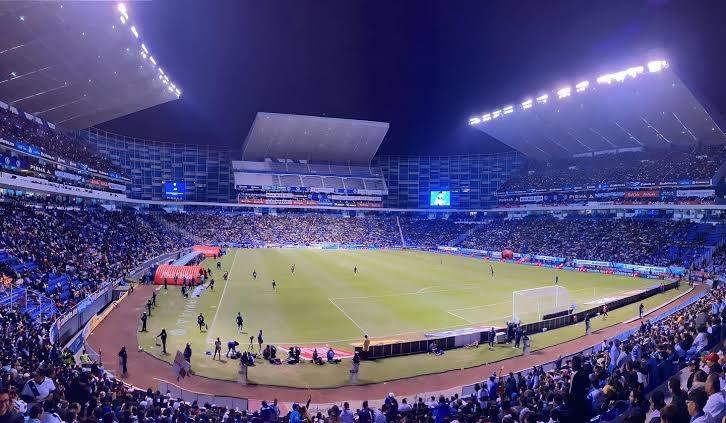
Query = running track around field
x=144 y=370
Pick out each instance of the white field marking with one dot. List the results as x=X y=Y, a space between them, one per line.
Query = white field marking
x=227 y=282
x=424 y=289
x=481 y=306
x=346 y=315
x=464 y=288
x=462 y=318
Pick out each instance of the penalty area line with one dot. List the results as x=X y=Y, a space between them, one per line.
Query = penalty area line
x=348 y=316
x=219 y=305
x=459 y=317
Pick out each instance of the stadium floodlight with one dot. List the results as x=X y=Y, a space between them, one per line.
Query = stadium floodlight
x=620 y=76
x=542 y=99
x=143 y=55
x=474 y=121
x=496 y=114
x=564 y=92
x=161 y=77
x=135 y=32
x=122 y=9
x=508 y=109
x=527 y=104
x=171 y=89
x=178 y=93
x=161 y=71
x=152 y=59
x=486 y=118
x=582 y=86
x=143 y=47
x=123 y=19
x=657 y=65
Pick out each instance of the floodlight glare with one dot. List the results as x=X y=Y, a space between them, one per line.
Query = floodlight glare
x=542 y=99
x=508 y=109
x=122 y=9
x=161 y=77
x=582 y=86
x=152 y=59
x=143 y=55
x=496 y=114
x=161 y=71
x=143 y=47
x=178 y=93
x=564 y=92
x=171 y=89
x=136 y=33
x=657 y=66
x=486 y=118
x=527 y=104
x=474 y=121
x=123 y=20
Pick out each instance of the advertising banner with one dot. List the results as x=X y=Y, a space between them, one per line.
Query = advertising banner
x=594 y=263
x=643 y=194
x=168 y=271
x=700 y=193
x=207 y=250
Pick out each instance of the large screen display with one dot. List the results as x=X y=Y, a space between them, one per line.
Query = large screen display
x=440 y=198
x=175 y=190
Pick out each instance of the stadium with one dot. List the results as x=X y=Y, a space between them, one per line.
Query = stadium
x=557 y=256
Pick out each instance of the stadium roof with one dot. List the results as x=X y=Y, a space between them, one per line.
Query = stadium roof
x=77 y=63
x=640 y=107
x=312 y=138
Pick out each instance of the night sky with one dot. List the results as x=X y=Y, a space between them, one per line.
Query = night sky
x=423 y=66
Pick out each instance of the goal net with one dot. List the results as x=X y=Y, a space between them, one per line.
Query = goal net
x=529 y=305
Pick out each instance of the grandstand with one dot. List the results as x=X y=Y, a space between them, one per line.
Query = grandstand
x=454 y=268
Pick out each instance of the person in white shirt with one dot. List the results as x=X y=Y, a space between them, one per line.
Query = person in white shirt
x=715 y=407
x=38 y=388
x=405 y=406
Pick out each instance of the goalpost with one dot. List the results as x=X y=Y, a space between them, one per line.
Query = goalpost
x=530 y=305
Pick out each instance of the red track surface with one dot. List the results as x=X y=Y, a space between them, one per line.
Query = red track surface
x=119 y=328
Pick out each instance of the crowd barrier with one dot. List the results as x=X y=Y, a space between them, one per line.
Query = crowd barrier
x=70 y=323
x=481 y=334
x=175 y=391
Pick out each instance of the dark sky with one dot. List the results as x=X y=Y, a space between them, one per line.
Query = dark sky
x=423 y=66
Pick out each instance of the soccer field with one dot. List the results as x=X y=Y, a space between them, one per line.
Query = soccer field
x=395 y=295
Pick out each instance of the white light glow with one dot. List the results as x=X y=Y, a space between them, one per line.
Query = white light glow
x=161 y=77
x=172 y=85
x=143 y=47
x=496 y=114
x=135 y=32
x=123 y=20
x=526 y=104
x=486 y=118
x=122 y=9
x=620 y=76
x=582 y=86
x=171 y=89
x=143 y=55
x=564 y=92
x=178 y=93
x=509 y=109
x=152 y=59
x=542 y=99
x=657 y=66
x=474 y=121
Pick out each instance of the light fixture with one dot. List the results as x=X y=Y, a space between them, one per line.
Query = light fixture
x=657 y=65
x=152 y=59
x=526 y=104
x=542 y=99
x=564 y=92
x=474 y=121
x=508 y=109
x=143 y=47
x=135 y=32
x=582 y=86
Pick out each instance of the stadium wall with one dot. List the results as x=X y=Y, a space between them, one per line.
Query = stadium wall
x=472 y=179
x=206 y=169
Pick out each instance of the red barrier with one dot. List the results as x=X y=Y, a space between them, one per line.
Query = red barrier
x=207 y=250
x=168 y=271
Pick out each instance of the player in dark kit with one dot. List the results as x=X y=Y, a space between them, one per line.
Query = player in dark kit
x=200 y=321
x=292 y=269
x=355 y=270
x=240 y=321
x=491 y=270
x=274 y=285
x=254 y=274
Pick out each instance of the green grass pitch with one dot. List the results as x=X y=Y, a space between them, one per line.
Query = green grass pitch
x=394 y=295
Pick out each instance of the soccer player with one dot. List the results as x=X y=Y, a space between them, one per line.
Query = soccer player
x=211 y=284
x=604 y=311
x=254 y=274
x=217 y=349
x=355 y=270
x=260 y=340
x=557 y=279
x=491 y=270
x=641 y=308
x=492 y=338
x=292 y=269
x=240 y=321
x=274 y=285
x=200 y=321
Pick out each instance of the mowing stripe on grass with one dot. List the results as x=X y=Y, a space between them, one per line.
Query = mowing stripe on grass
x=219 y=304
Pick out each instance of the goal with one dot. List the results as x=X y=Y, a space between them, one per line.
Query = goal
x=529 y=305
